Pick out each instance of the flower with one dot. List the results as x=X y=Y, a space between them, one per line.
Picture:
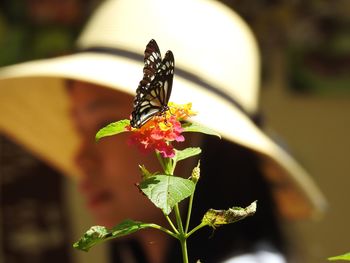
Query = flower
x=181 y=111
x=158 y=133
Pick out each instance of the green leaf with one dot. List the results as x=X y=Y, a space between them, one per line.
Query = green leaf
x=215 y=218
x=195 y=127
x=99 y=234
x=112 y=129
x=345 y=257
x=166 y=191
x=187 y=153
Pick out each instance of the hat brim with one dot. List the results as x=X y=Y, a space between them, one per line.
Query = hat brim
x=35 y=112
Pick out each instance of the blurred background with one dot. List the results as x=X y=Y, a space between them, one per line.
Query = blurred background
x=305 y=97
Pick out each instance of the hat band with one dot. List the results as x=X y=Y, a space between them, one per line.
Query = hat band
x=256 y=117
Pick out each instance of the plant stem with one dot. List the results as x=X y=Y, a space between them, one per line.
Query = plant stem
x=161 y=161
x=178 y=219
x=182 y=235
x=171 y=224
x=172 y=169
x=168 y=166
x=184 y=250
x=164 y=230
x=195 y=229
x=189 y=211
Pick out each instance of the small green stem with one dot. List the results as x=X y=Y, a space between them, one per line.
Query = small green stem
x=164 y=230
x=189 y=210
x=195 y=229
x=173 y=167
x=168 y=166
x=161 y=161
x=178 y=219
x=171 y=224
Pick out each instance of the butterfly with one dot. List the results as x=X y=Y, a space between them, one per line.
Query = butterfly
x=153 y=91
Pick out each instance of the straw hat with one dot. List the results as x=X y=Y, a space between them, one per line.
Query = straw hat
x=217 y=69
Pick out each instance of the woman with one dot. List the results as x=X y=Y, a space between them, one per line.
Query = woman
x=217 y=69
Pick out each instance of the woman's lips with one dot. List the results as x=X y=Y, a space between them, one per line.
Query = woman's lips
x=95 y=197
x=96 y=200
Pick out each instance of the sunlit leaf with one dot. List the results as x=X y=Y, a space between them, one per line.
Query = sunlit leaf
x=112 y=129
x=187 y=153
x=345 y=257
x=166 y=191
x=195 y=127
x=99 y=234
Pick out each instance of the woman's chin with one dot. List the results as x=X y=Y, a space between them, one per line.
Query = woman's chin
x=104 y=213
x=107 y=220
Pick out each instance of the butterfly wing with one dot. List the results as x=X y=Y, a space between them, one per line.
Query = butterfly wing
x=152 y=62
x=153 y=92
x=164 y=77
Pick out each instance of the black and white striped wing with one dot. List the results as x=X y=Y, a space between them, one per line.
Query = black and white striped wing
x=153 y=92
x=152 y=62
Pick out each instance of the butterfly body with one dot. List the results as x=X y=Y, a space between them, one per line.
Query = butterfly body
x=153 y=91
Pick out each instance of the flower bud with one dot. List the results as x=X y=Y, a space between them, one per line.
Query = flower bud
x=196 y=173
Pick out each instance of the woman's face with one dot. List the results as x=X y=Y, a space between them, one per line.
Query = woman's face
x=110 y=167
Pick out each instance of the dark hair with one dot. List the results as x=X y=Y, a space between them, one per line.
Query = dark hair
x=230 y=176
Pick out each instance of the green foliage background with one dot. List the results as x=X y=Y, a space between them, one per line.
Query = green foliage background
x=34 y=29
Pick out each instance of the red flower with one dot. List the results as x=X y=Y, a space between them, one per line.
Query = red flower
x=158 y=133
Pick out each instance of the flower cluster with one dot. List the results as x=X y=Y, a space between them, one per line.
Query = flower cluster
x=158 y=133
